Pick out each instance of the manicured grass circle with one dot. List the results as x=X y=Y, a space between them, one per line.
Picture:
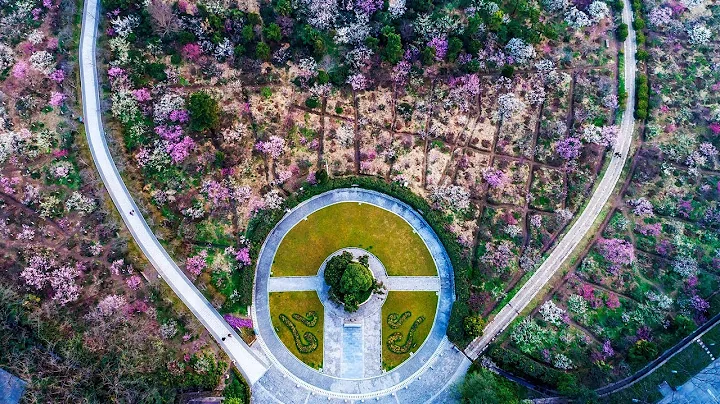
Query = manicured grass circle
x=350 y=224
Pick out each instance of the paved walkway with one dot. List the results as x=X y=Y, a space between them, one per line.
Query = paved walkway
x=295 y=283
x=703 y=388
x=248 y=363
x=583 y=224
x=432 y=368
x=413 y=283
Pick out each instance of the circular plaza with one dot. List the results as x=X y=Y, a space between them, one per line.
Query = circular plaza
x=352 y=295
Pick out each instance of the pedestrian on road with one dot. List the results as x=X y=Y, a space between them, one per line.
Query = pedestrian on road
x=132 y=212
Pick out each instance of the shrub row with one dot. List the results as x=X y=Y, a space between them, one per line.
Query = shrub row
x=642 y=95
x=263 y=222
x=312 y=341
x=525 y=367
x=310 y=319
x=409 y=342
x=638 y=22
x=395 y=321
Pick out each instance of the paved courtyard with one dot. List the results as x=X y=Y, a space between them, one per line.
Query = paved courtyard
x=352 y=362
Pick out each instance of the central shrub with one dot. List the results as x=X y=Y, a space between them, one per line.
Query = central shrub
x=351 y=282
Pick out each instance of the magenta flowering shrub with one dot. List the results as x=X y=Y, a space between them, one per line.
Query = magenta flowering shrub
x=568 y=148
x=181 y=150
x=195 y=265
x=243 y=256
x=616 y=251
x=273 y=147
x=57 y=99
x=192 y=52
x=237 y=322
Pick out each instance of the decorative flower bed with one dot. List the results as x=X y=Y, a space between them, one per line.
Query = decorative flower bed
x=392 y=341
x=312 y=341
x=395 y=321
x=310 y=319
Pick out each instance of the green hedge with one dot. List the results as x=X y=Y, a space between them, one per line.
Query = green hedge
x=642 y=95
x=525 y=367
x=263 y=222
x=309 y=320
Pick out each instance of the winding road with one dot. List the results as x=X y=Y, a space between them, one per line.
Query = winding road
x=431 y=378
x=249 y=364
x=586 y=220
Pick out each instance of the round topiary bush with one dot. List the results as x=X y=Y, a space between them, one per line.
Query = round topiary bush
x=351 y=282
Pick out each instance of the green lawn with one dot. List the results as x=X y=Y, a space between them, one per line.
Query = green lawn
x=349 y=224
x=418 y=304
x=301 y=303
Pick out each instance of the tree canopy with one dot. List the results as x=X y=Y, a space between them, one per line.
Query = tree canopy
x=204 y=112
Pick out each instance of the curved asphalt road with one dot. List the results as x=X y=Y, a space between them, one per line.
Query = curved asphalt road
x=571 y=240
x=250 y=366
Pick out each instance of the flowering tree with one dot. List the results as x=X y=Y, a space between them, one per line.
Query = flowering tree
x=551 y=313
x=598 y=10
x=642 y=207
x=451 y=197
x=494 y=177
x=42 y=272
x=568 y=148
x=616 y=251
x=699 y=34
x=509 y=105
x=196 y=264
x=273 y=147
x=520 y=51
x=577 y=19
x=498 y=256
x=440 y=45
x=660 y=16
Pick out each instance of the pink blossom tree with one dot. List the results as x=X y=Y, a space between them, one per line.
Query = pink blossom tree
x=195 y=265
x=616 y=251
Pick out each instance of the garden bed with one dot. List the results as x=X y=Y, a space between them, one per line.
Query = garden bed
x=418 y=304
x=296 y=308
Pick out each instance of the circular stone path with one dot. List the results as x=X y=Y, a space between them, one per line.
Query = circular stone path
x=428 y=371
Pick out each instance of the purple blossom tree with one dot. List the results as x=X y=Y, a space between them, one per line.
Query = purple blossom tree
x=642 y=207
x=616 y=251
x=195 y=265
x=568 y=148
x=273 y=147
x=494 y=177
x=440 y=45
x=243 y=256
